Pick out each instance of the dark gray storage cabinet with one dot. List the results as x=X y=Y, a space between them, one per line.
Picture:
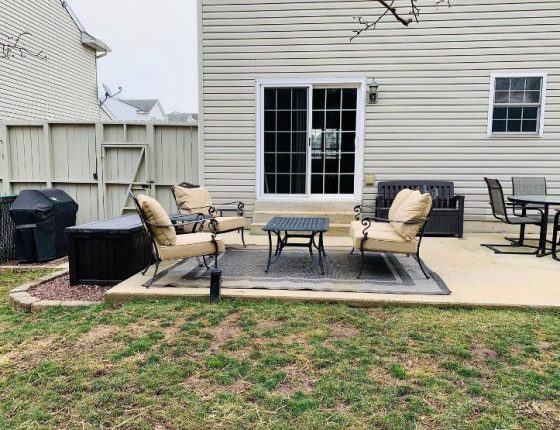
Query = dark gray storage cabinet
x=107 y=252
x=448 y=209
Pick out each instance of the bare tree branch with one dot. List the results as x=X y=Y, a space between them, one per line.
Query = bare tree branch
x=13 y=46
x=410 y=15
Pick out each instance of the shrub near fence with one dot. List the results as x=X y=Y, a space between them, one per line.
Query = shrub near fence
x=7 y=230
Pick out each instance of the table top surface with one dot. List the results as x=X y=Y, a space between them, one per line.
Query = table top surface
x=544 y=199
x=297 y=224
x=127 y=223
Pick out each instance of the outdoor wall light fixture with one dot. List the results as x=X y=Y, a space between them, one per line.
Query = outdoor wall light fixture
x=373 y=91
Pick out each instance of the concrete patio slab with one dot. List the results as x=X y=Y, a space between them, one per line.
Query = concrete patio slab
x=474 y=274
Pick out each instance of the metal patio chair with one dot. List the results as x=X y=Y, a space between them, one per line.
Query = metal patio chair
x=166 y=245
x=500 y=211
x=556 y=236
x=192 y=199
x=526 y=186
x=401 y=233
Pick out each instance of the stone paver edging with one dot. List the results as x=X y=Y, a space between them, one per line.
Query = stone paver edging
x=21 y=300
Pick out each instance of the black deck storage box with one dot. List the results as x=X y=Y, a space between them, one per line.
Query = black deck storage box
x=448 y=209
x=41 y=216
x=107 y=252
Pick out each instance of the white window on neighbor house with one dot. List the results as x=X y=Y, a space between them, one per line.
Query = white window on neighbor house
x=517 y=103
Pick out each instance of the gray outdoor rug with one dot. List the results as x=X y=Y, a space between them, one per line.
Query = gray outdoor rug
x=294 y=270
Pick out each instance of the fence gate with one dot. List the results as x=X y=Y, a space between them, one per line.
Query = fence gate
x=126 y=167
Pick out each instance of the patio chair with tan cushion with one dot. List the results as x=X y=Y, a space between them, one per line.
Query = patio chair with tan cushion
x=401 y=233
x=166 y=245
x=194 y=200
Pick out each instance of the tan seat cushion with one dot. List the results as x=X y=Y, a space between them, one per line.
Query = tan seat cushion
x=398 y=201
x=192 y=200
x=411 y=214
x=382 y=238
x=191 y=245
x=155 y=214
x=226 y=223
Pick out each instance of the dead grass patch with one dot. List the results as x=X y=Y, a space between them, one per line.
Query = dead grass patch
x=546 y=412
x=297 y=379
x=207 y=390
x=228 y=329
x=342 y=331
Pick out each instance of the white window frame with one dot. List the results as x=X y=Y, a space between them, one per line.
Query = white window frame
x=509 y=135
x=359 y=83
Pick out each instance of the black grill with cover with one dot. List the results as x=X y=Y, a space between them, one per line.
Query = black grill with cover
x=448 y=209
x=41 y=216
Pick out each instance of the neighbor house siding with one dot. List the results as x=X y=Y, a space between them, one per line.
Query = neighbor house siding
x=434 y=77
x=64 y=86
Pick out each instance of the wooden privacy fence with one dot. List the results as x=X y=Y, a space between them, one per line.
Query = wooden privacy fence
x=98 y=163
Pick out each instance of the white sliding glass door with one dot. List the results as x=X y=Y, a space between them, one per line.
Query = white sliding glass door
x=309 y=141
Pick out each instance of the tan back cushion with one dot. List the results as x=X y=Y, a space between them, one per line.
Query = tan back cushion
x=415 y=207
x=193 y=200
x=397 y=201
x=155 y=214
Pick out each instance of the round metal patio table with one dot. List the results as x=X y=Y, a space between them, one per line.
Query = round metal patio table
x=544 y=201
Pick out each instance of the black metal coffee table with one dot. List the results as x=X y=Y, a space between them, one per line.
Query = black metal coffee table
x=302 y=227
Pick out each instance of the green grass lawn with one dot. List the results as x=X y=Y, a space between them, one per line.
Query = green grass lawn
x=267 y=365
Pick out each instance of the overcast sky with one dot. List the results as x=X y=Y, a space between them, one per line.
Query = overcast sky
x=154 y=48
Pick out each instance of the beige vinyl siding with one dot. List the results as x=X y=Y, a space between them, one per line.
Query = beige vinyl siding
x=434 y=77
x=62 y=87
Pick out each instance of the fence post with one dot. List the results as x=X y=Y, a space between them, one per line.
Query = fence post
x=99 y=164
x=48 y=154
x=5 y=160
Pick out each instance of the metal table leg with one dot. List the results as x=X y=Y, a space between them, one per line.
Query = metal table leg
x=269 y=252
x=321 y=253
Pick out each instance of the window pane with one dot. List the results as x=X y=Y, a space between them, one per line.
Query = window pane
x=270 y=121
x=349 y=97
x=298 y=163
x=269 y=184
x=501 y=97
x=347 y=184
x=331 y=163
x=500 y=113
x=319 y=120
x=284 y=120
x=298 y=184
x=348 y=142
x=529 y=126
x=283 y=184
x=502 y=84
x=333 y=120
x=530 y=113
x=349 y=120
x=532 y=97
x=269 y=142
x=299 y=98
x=517 y=84
x=319 y=99
x=298 y=142
x=270 y=98
x=270 y=163
x=516 y=97
x=284 y=98
x=347 y=163
x=317 y=163
x=317 y=184
x=514 y=126
x=317 y=144
x=533 y=84
x=283 y=142
x=283 y=163
x=333 y=98
x=332 y=141
x=514 y=112
x=331 y=184
x=299 y=121
x=499 y=126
